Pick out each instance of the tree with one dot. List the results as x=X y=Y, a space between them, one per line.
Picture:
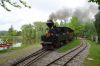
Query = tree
x=89 y=30
x=40 y=29
x=28 y=34
x=97 y=25
x=76 y=26
x=10 y=35
x=97 y=21
x=15 y=4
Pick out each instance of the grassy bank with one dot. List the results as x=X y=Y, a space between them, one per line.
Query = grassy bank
x=94 y=56
x=70 y=45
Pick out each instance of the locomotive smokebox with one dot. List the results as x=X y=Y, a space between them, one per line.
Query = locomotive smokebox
x=50 y=24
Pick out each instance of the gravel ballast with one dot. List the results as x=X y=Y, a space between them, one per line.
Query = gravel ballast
x=78 y=60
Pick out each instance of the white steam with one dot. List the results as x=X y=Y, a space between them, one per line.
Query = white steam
x=61 y=14
x=82 y=13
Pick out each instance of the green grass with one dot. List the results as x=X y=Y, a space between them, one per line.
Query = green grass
x=71 y=45
x=94 y=54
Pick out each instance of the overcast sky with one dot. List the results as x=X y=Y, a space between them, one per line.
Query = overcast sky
x=40 y=11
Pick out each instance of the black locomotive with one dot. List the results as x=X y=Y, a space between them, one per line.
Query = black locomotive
x=56 y=36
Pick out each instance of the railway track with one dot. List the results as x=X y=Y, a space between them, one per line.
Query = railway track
x=31 y=58
x=61 y=61
x=68 y=57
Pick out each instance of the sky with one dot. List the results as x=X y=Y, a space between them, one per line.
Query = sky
x=40 y=11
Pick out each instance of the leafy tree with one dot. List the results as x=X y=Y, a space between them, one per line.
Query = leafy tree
x=11 y=31
x=76 y=26
x=97 y=25
x=15 y=4
x=9 y=35
x=97 y=21
x=40 y=29
x=3 y=33
x=89 y=29
x=18 y=33
x=28 y=34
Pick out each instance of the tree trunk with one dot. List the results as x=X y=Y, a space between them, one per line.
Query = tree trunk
x=96 y=38
x=99 y=38
x=97 y=25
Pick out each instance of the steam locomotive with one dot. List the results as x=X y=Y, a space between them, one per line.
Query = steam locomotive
x=56 y=37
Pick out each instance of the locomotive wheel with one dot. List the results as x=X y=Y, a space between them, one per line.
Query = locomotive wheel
x=67 y=41
x=52 y=48
x=58 y=45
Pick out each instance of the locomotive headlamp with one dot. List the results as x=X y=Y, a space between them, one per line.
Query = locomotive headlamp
x=47 y=34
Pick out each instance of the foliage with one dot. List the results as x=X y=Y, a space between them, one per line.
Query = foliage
x=76 y=26
x=97 y=25
x=89 y=29
x=28 y=34
x=32 y=33
x=9 y=35
x=86 y=29
x=15 y=4
x=2 y=33
x=97 y=21
x=18 y=33
x=97 y=1
x=40 y=29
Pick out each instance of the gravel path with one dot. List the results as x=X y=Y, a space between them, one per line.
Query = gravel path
x=8 y=58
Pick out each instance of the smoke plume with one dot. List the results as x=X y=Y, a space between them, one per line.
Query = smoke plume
x=84 y=14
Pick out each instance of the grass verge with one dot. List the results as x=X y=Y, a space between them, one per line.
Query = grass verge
x=93 y=58
x=69 y=46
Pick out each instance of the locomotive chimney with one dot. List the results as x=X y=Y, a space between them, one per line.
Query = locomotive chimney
x=50 y=24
